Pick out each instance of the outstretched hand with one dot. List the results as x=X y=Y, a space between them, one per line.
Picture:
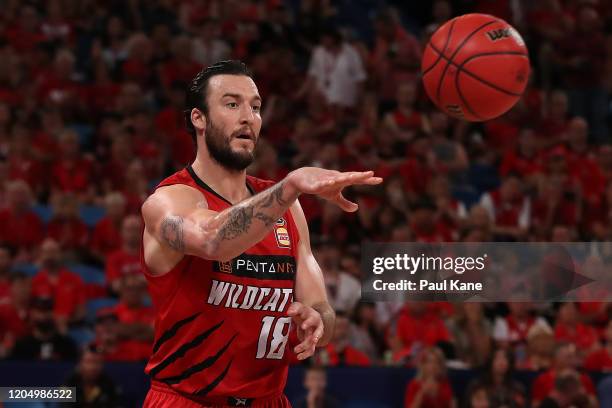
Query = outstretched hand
x=328 y=184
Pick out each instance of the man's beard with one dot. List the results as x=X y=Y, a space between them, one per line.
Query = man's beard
x=221 y=151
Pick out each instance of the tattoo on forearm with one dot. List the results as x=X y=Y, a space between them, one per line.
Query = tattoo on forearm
x=265 y=218
x=238 y=222
x=172 y=232
x=274 y=194
x=240 y=217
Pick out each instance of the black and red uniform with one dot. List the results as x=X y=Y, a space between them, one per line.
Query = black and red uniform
x=221 y=328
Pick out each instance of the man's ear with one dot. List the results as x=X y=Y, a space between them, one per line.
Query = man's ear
x=198 y=119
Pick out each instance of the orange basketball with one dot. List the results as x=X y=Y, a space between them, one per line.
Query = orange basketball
x=475 y=67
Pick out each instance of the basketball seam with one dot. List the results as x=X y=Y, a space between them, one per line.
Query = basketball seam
x=450 y=59
x=465 y=102
x=460 y=67
x=450 y=32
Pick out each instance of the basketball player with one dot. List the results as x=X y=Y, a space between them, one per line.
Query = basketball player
x=228 y=259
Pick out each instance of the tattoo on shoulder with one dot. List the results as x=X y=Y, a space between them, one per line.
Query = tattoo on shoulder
x=172 y=232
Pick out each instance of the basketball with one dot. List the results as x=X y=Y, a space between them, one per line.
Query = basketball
x=475 y=67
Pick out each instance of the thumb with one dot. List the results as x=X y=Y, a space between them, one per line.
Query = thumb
x=345 y=204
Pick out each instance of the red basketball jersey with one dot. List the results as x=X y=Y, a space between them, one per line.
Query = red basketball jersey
x=221 y=328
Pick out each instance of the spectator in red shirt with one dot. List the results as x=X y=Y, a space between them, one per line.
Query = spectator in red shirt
x=25 y=35
x=565 y=360
x=20 y=227
x=396 y=54
x=582 y=161
x=136 y=188
x=58 y=283
x=182 y=67
x=339 y=351
x=601 y=359
x=125 y=260
x=553 y=126
x=604 y=161
x=405 y=121
x=524 y=159
x=106 y=235
x=418 y=327
x=170 y=122
x=430 y=388
x=6 y=262
x=135 y=320
x=513 y=329
x=581 y=55
x=509 y=207
x=59 y=85
x=451 y=212
x=72 y=172
x=136 y=67
x=106 y=340
x=66 y=227
x=114 y=170
x=568 y=328
x=22 y=163
x=14 y=313
x=425 y=224
x=568 y=391
x=556 y=205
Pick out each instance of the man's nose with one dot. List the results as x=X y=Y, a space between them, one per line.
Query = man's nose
x=247 y=116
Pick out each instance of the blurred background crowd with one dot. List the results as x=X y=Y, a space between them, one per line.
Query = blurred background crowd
x=91 y=119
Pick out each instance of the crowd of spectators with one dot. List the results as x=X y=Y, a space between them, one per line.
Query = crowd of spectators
x=91 y=118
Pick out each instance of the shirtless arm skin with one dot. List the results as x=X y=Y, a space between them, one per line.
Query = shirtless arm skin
x=312 y=312
x=178 y=222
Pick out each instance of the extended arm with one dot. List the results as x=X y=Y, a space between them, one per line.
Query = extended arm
x=177 y=217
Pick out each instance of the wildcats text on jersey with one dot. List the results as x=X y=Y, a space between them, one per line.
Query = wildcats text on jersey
x=237 y=296
x=276 y=267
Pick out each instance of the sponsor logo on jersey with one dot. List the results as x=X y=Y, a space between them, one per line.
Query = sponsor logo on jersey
x=282 y=234
x=274 y=267
x=225 y=267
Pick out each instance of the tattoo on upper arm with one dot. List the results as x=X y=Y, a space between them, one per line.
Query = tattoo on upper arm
x=172 y=232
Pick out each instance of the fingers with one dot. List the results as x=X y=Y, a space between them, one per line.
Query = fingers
x=295 y=309
x=314 y=333
x=307 y=347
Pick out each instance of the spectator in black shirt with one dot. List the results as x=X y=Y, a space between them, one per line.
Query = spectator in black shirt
x=45 y=342
x=94 y=388
x=315 y=382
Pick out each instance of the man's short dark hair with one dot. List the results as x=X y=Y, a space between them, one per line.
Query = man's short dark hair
x=198 y=88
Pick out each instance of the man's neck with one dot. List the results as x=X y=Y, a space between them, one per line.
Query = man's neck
x=229 y=184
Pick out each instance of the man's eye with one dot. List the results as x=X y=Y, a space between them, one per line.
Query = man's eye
x=256 y=108
x=232 y=105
